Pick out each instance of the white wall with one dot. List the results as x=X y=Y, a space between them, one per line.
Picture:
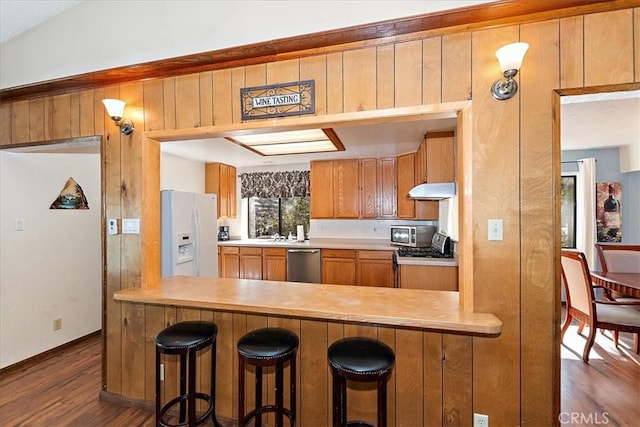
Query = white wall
x=378 y=229
x=52 y=269
x=180 y=174
x=133 y=32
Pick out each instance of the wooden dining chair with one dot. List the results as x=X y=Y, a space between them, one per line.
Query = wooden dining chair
x=620 y=258
x=583 y=306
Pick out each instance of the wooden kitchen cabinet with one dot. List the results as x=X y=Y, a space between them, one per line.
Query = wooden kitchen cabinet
x=434 y=162
x=321 y=188
x=435 y=158
x=229 y=265
x=375 y=268
x=409 y=168
x=339 y=266
x=334 y=188
x=429 y=277
x=346 y=188
x=353 y=188
x=387 y=187
x=220 y=179
x=251 y=263
x=378 y=188
x=421 y=162
x=274 y=264
x=369 y=188
x=440 y=157
x=406 y=176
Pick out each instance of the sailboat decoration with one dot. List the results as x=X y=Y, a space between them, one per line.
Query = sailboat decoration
x=71 y=197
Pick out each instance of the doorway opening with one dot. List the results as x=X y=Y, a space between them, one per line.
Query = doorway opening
x=52 y=253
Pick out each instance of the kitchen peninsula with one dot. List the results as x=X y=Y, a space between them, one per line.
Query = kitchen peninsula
x=419 y=325
x=429 y=310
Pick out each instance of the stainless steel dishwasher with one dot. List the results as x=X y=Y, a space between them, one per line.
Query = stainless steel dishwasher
x=303 y=265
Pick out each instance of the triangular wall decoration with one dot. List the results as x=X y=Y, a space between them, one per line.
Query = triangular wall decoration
x=71 y=197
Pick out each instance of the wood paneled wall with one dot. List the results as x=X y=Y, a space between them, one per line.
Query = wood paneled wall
x=514 y=377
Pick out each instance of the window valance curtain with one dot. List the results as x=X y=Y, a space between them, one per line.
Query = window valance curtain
x=274 y=184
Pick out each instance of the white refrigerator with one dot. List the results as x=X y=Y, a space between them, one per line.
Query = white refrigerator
x=189 y=234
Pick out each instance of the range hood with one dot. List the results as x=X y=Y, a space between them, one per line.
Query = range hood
x=433 y=191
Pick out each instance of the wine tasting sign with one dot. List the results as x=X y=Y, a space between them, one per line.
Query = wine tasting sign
x=278 y=100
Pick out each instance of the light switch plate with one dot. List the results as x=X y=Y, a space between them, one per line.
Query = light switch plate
x=130 y=225
x=495 y=229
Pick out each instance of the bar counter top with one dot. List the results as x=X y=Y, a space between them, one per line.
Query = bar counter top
x=411 y=308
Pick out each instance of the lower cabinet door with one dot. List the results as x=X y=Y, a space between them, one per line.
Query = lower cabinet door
x=339 y=271
x=375 y=268
x=274 y=266
x=429 y=277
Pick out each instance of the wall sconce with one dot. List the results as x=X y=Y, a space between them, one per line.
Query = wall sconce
x=510 y=58
x=115 y=109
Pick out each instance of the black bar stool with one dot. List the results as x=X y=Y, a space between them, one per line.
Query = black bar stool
x=185 y=339
x=262 y=348
x=359 y=359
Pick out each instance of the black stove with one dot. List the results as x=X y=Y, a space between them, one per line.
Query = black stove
x=428 y=252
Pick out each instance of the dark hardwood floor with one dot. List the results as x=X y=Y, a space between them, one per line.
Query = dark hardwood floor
x=63 y=390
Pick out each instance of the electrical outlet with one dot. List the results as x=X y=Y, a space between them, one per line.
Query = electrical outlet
x=112 y=226
x=480 y=420
x=57 y=324
x=162 y=372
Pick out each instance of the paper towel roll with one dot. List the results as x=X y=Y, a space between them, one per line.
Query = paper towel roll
x=300 y=233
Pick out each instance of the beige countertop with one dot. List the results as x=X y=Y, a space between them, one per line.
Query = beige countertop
x=429 y=310
x=355 y=244
x=436 y=262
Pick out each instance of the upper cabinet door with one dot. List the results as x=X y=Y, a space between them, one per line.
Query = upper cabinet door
x=369 y=190
x=220 y=179
x=232 y=189
x=321 y=177
x=386 y=192
x=346 y=202
x=406 y=177
x=440 y=157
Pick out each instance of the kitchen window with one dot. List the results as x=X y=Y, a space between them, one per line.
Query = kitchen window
x=568 y=211
x=275 y=215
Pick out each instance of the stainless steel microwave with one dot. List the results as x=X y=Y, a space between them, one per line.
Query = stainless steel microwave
x=412 y=235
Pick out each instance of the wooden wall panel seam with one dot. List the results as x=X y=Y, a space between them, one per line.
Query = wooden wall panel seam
x=442 y=77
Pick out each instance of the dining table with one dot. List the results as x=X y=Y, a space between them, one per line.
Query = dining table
x=625 y=283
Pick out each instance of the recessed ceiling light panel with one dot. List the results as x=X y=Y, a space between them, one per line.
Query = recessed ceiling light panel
x=290 y=142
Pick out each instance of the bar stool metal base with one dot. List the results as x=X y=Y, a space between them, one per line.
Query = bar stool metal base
x=185 y=339
x=262 y=348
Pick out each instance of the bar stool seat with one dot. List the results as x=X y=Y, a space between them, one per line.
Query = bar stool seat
x=185 y=339
x=261 y=348
x=359 y=359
